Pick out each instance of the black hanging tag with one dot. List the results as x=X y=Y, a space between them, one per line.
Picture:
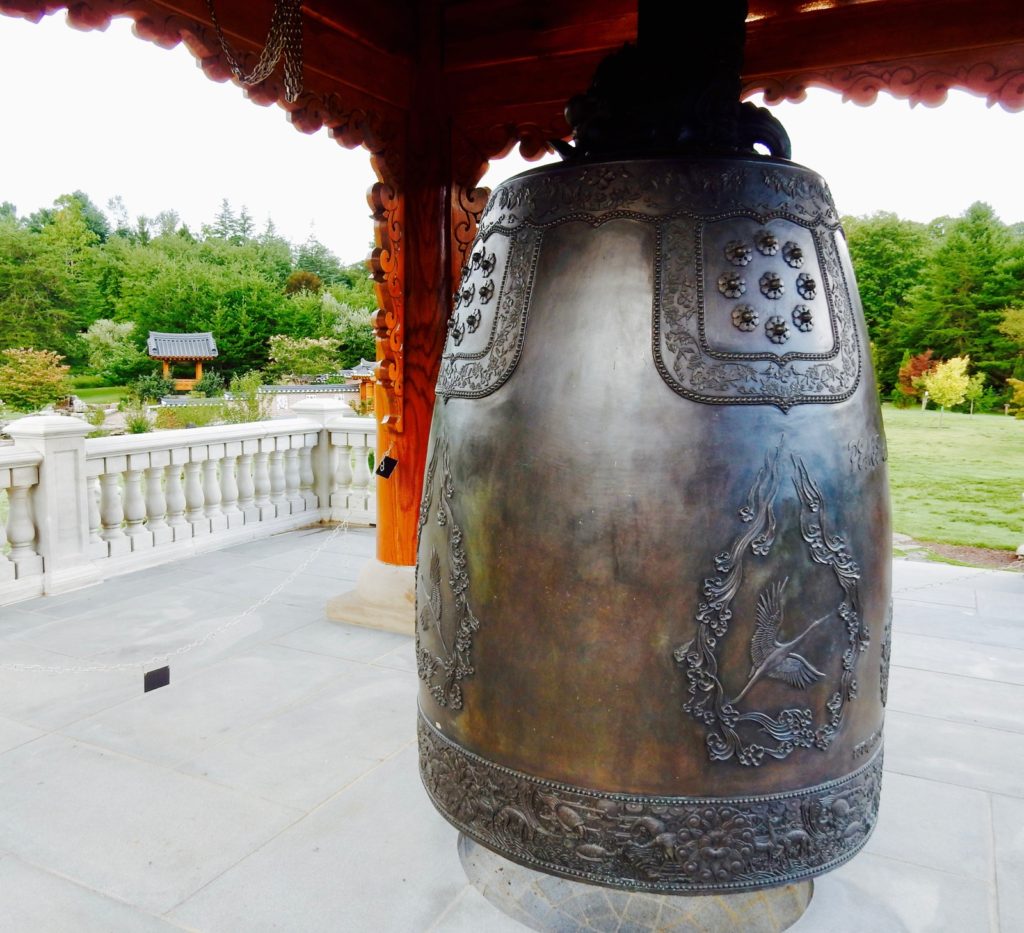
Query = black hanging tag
x=386 y=466
x=153 y=680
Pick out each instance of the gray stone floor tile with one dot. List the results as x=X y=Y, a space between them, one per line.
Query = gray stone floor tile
x=342 y=641
x=36 y=901
x=872 y=894
x=919 y=819
x=1008 y=826
x=957 y=753
x=331 y=564
x=999 y=604
x=141 y=630
x=935 y=583
x=229 y=633
x=358 y=541
x=215 y=563
x=178 y=722
x=49 y=701
x=314 y=749
x=109 y=592
x=957 y=698
x=401 y=657
x=126 y=828
x=13 y=734
x=15 y=620
x=250 y=584
x=960 y=624
x=953 y=656
x=314 y=591
x=295 y=801
x=376 y=857
x=136 y=623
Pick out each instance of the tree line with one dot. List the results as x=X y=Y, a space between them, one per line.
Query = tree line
x=951 y=288
x=89 y=285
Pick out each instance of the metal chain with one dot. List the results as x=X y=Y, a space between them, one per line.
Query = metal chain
x=284 y=38
x=192 y=645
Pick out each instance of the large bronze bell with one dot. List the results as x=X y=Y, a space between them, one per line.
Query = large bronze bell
x=654 y=559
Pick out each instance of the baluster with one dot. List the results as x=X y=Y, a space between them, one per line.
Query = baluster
x=229 y=491
x=361 y=478
x=112 y=512
x=292 y=478
x=93 y=484
x=134 y=508
x=211 y=493
x=246 y=489
x=7 y=568
x=277 y=486
x=156 y=506
x=371 y=489
x=21 y=532
x=261 y=483
x=342 y=478
x=307 y=478
x=194 y=498
x=174 y=494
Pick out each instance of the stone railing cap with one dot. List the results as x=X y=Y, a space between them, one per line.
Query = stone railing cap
x=321 y=404
x=48 y=426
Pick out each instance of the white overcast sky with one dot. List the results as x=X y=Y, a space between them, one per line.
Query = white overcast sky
x=112 y=115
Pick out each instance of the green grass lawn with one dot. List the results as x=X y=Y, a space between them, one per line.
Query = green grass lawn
x=959 y=482
x=102 y=395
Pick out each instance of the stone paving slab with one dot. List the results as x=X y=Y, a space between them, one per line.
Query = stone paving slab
x=958 y=843
x=959 y=698
x=40 y=901
x=1008 y=824
x=372 y=858
x=179 y=722
x=273 y=785
x=128 y=829
x=955 y=656
x=366 y=719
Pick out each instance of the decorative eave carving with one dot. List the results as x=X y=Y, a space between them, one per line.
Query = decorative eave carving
x=994 y=72
x=353 y=117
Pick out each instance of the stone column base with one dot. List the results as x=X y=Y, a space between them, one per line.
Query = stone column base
x=384 y=598
x=544 y=902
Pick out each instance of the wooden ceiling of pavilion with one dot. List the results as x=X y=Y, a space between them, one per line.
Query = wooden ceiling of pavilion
x=508 y=66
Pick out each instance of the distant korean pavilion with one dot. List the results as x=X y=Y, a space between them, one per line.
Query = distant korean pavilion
x=182 y=348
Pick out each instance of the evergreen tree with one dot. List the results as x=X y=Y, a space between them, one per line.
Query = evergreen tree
x=889 y=255
x=314 y=257
x=244 y=226
x=969 y=280
x=224 y=225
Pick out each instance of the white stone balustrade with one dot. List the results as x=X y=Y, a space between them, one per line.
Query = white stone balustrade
x=354 y=491
x=21 y=567
x=80 y=509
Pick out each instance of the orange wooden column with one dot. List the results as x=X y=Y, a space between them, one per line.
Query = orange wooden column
x=412 y=210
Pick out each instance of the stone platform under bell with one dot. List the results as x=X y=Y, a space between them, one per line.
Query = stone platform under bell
x=558 y=905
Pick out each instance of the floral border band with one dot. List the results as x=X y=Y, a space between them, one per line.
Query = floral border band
x=673 y=845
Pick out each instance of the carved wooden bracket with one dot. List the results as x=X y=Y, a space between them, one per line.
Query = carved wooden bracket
x=156 y=23
x=995 y=73
x=387 y=264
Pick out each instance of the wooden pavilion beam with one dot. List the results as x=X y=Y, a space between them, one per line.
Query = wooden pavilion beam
x=334 y=61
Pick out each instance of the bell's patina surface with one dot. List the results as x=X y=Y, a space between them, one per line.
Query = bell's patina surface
x=654 y=560
x=653 y=594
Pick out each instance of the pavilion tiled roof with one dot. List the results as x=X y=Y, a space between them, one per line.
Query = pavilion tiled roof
x=181 y=346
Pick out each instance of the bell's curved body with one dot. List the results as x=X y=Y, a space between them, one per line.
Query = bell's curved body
x=653 y=597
